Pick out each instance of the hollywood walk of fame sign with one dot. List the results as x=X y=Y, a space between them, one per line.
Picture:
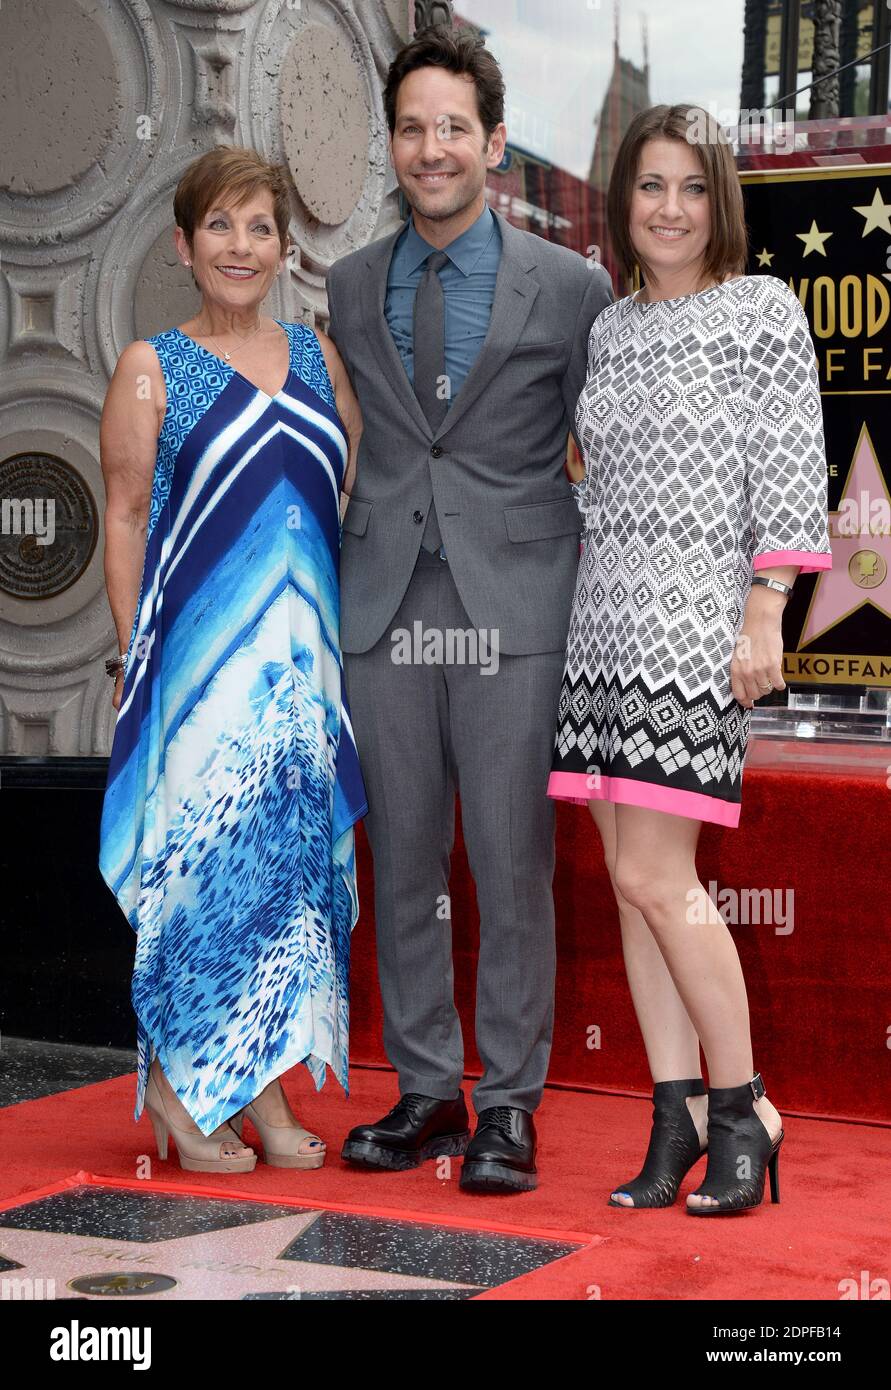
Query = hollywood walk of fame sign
x=827 y=234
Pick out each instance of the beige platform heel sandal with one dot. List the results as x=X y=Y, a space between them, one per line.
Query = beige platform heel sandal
x=197 y=1152
x=281 y=1143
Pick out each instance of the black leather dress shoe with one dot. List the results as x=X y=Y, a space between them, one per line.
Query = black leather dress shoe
x=417 y=1127
x=501 y=1155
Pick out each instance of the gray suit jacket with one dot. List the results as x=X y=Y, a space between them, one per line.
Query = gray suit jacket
x=495 y=466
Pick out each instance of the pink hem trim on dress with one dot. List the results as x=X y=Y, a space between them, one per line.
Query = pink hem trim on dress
x=807 y=559
x=567 y=786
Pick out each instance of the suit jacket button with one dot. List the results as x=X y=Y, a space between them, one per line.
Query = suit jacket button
x=417 y=517
x=437 y=451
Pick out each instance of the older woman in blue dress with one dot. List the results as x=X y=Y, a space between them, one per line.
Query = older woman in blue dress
x=233 y=787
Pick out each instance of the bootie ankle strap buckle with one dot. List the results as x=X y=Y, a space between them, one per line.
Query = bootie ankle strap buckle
x=741 y=1152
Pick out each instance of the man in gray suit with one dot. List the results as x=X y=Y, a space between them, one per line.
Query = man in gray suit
x=458 y=564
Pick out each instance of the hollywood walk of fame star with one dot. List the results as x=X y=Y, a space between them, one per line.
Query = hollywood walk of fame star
x=837 y=592
x=225 y=1264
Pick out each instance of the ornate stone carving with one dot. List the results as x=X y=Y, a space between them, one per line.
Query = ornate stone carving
x=107 y=104
x=45 y=307
x=315 y=142
x=74 y=146
x=429 y=12
x=324 y=63
x=215 y=63
x=52 y=695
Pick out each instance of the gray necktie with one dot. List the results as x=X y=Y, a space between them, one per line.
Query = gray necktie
x=429 y=364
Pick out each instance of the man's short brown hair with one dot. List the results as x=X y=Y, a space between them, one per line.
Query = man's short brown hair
x=459 y=51
x=727 y=250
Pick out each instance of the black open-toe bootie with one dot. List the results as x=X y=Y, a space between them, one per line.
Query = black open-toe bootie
x=740 y=1151
x=673 y=1149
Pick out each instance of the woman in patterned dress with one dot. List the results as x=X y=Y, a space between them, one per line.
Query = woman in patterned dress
x=233 y=785
x=705 y=475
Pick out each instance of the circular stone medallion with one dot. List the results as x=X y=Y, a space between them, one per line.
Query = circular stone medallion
x=48 y=526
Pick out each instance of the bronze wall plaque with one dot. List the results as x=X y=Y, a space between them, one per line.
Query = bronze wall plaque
x=48 y=526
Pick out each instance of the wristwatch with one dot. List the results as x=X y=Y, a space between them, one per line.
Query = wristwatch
x=774 y=584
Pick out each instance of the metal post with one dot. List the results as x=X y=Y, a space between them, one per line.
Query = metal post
x=878 y=75
x=789 y=47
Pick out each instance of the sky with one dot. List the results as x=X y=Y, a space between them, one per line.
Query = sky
x=556 y=56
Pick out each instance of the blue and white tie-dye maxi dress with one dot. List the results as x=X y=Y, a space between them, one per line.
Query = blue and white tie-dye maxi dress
x=234 y=785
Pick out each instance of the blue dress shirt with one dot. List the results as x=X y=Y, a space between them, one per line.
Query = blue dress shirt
x=468 y=286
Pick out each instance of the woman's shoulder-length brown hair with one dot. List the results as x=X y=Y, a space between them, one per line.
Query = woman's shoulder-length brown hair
x=727 y=250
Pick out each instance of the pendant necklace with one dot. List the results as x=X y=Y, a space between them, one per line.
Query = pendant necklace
x=226 y=355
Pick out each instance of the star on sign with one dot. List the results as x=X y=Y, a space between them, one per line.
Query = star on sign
x=875 y=215
x=765 y=257
x=225 y=1264
x=814 y=240
x=836 y=594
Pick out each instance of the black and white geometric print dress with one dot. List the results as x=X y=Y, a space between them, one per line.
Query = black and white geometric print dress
x=702 y=434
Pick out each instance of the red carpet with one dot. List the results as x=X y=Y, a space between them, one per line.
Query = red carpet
x=818 y=995
x=819 y=1004
x=832 y=1223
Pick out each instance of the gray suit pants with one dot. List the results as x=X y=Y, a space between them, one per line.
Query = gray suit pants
x=423 y=730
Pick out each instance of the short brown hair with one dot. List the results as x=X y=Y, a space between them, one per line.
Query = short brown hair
x=459 y=51
x=231 y=174
x=727 y=250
